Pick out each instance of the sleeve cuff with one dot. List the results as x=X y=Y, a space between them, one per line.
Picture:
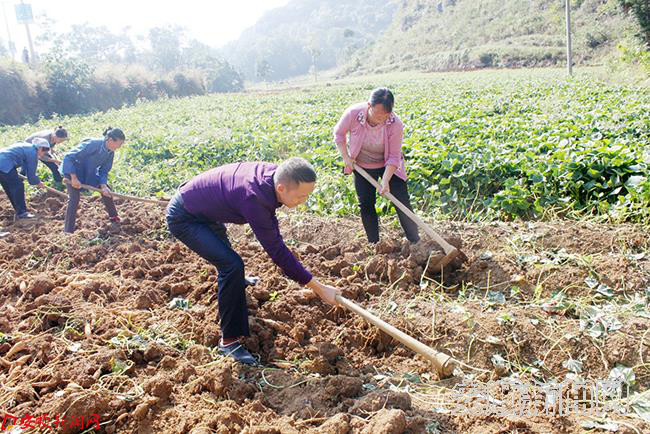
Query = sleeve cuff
x=305 y=278
x=394 y=162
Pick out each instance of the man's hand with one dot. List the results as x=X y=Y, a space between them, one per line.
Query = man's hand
x=105 y=190
x=40 y=185
x=74 y=181
x=325 y=292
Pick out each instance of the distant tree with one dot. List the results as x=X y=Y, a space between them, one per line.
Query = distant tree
x=314 y=52
x=67 y=80
x=224 y=78
x=91 y=43
x=198 y=54
x=263 y=69
x=220 y=76
x=166 y=46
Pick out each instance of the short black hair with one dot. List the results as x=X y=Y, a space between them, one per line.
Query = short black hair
x=61 y=132
x=294 y=171
x=382 y=96
x=114 y=133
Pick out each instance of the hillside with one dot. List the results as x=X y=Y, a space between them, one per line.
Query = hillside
x=378 y=36
x=468 y=34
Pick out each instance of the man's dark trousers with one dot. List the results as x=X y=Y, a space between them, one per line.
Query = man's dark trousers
x=209 y=240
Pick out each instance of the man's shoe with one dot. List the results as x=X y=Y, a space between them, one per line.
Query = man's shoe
x=25 y=216
x=238 y=352
x=115 y=228
x=251 y=280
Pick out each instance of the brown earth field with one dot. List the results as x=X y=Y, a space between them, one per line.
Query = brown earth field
x=87 y=328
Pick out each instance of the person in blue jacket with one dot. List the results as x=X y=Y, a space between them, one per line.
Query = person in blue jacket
x=89 y=164
x=25 y=155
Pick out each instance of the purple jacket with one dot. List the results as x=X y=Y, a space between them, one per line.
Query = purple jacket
x=244 y=193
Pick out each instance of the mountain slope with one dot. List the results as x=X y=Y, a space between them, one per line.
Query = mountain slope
x=288 y=40
x=465 y=34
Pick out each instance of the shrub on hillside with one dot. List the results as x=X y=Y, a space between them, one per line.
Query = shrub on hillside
x=187 y=83
x=140 y=84
x=71 y=86
x=641 y=10
x=23 y=95
x=67 y=81
x=224 y=78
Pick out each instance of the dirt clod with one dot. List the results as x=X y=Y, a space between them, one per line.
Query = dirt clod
x=159 y=386
x=42 y=284
x=386 y=422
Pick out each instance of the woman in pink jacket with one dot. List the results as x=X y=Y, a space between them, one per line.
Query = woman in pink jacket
x=375 y=144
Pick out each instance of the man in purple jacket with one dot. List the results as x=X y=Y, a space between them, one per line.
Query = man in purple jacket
x=242 y=193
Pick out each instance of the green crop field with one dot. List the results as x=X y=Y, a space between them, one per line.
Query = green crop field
x=479 y=145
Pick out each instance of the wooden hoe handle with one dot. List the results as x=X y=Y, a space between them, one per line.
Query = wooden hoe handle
x=443 y=363
x=448 y=248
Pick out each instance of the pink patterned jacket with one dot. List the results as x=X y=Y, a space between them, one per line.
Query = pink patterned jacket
x=354 y=122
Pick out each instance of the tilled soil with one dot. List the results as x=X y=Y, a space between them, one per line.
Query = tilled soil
x=87 y=326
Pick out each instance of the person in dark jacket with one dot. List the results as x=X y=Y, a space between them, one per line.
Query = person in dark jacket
x=242 y=193
x=89 y=163
x=24 y=155
x=53 y=137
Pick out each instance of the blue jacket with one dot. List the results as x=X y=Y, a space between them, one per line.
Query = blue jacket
x=20 y=155
x=90 y=161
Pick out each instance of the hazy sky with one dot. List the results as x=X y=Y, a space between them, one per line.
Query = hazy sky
x=212 y=22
